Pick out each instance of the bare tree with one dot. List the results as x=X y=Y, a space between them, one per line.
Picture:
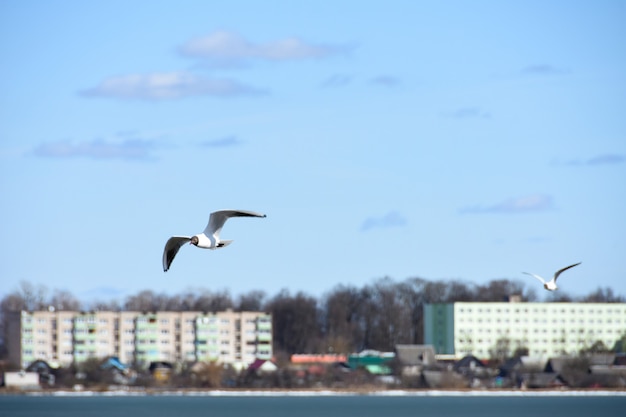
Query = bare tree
x=99 y=305
x=388 y=317
x=143 y=301
x=502 y=289
x=33 y=296
x=295 y=323
x=251 y=301
x=501 y=351
x=413 y=305
x=432 y=291
x=12 y=302
x=64 y=300
x=603 y=295
x=341 y=317
x=460 y=291
x=211 y=302
x=187 y=301
x=26 y=297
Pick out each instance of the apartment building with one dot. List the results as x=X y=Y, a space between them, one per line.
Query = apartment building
x=64 y=337
x=545 y=329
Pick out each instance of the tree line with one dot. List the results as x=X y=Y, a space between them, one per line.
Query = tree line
x=344 y=319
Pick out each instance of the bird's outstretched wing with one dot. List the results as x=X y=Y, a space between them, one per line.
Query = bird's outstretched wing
x=218 y=218
x=536 y=276
x=557 y=273
x=171 y=249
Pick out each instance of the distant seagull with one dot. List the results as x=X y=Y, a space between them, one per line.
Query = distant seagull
x=551 y=285
x=208 y=239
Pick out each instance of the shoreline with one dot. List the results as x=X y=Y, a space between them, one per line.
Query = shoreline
x=317 y=392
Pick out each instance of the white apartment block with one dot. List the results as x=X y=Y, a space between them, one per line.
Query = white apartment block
x=545 y=329
x=64 y=337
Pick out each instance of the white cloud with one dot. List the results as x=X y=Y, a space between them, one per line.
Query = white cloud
x=533 y=202
x=224 y=142
x=337 y=80
x=167 y=86
x=97 y=149
x=386 y=80
x=602 y=159
x=543 y=69
x=227 y=48
x=391 y=219
x=606 y=159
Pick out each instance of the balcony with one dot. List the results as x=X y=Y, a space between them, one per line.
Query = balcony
x=82 y=337
x=264 y=325
x=146 y=325
x=264 y=337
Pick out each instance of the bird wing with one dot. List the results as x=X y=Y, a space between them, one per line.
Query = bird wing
x=557 y=273
x=218 y=218
x=172 y=246
x=536 y=276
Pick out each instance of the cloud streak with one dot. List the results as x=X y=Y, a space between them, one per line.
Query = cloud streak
x=97 y=149
x=385 y=81
x=219 y=49
x=391 y=219
x=168 y=86
x=530 y=203
x=542 y=69
x=337 y=80
x=225 y=142
x=224 y=48
x=607 y=159
x=598 y=160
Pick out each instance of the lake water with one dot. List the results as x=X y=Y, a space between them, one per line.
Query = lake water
x=314 y=405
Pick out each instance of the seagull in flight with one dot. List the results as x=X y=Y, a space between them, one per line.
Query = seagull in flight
x=551 y=285
x=208 y=239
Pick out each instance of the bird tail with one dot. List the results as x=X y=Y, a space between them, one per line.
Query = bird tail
x=224 y=243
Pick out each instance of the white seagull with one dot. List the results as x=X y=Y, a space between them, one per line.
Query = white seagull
x=551 y=285
x=208 y=239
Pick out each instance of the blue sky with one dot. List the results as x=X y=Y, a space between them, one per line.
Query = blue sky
x=442 y=140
